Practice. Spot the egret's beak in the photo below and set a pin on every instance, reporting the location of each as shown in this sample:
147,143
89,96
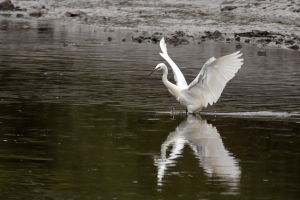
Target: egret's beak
154,71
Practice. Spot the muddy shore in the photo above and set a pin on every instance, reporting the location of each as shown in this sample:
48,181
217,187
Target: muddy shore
274,24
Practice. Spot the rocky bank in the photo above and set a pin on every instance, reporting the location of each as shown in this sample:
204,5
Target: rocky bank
273,23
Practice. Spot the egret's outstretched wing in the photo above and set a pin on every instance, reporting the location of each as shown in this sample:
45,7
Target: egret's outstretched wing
178,76
213,77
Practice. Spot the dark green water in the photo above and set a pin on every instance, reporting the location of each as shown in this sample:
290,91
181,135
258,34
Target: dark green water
83,120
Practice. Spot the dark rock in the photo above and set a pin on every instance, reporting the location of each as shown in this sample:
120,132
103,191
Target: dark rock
109,39
294,47
261,53
180,33
280,40
184,41
261,41
5,14
227,8
75,14
238,39
155,39
199,42
268,40
275,33
35,14
208,34
291,42
255,33
262,33
137,39
238,46
43,7
216,34
228,40
174,41
123,39
247,41
17,8
177,41
19,15
7,5
43,29
297,10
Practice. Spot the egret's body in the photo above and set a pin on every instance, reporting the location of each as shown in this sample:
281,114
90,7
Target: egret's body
207,86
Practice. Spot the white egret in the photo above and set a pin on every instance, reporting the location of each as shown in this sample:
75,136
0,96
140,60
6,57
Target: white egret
207,86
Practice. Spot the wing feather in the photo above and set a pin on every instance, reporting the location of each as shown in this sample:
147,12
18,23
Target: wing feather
178,76
213,77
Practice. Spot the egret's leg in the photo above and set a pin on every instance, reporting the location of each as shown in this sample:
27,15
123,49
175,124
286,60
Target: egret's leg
189,109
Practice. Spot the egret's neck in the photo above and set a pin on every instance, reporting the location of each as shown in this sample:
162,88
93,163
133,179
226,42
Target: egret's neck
173,88
165,76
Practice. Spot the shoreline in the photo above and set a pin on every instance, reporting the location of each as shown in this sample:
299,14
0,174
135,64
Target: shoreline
265,23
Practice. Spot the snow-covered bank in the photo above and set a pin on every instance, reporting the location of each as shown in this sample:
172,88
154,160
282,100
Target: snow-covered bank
280,18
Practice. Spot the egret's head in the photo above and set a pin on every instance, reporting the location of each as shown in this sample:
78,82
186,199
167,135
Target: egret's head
158,67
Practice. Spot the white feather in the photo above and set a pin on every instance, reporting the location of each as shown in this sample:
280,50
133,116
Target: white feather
212,79
178,76
207,86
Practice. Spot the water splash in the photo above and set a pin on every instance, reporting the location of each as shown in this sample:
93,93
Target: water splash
255,114
239,114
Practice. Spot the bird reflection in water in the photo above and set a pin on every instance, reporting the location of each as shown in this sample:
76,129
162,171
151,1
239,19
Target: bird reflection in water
208,147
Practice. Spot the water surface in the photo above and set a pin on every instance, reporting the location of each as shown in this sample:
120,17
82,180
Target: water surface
80,119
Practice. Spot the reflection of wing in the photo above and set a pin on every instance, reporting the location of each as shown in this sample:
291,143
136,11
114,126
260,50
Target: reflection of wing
209,148
207,145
